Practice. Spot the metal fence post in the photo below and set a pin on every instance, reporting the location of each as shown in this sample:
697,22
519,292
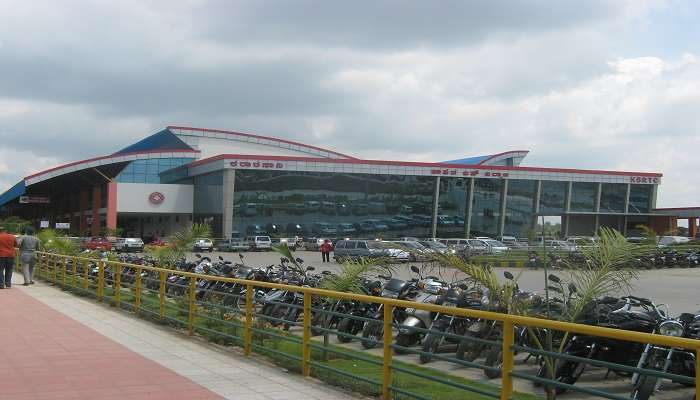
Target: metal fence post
306,348
117,282
74,270
137,301
248,335
100,280
64,268
386,370
85,274
161,295
506,378
190,316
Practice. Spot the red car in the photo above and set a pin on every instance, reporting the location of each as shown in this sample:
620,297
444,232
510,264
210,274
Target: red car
98,243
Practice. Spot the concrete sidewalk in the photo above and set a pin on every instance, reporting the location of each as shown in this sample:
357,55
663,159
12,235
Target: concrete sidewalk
44,317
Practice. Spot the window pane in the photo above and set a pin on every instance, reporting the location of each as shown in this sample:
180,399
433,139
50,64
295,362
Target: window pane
612,197
486,207
583,196
640,198
520,206
552,197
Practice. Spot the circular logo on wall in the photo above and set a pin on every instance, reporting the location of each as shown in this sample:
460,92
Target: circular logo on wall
156,198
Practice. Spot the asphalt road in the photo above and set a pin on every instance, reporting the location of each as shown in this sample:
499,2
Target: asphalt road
678,287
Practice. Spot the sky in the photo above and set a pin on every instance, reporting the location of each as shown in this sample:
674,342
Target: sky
581,84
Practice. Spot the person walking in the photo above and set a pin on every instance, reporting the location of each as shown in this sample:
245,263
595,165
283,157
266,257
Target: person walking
326,249
28,246
7,258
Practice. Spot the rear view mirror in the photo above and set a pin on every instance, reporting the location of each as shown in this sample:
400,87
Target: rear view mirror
508,275
415,269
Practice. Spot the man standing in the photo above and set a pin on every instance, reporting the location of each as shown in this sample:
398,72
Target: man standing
326,248
7,258
28,246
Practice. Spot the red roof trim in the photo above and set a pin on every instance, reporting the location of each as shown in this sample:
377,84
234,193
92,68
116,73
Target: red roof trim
491,157
109,156
263,137
420,164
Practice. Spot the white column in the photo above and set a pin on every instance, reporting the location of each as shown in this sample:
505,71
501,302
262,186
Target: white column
229,180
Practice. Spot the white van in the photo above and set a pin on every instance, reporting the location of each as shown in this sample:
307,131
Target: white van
259,243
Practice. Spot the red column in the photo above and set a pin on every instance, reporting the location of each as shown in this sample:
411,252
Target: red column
96,204
112,205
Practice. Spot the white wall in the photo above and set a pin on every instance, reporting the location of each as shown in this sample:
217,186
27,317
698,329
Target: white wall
134,198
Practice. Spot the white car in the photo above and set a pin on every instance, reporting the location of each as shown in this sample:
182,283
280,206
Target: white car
203,244
128,244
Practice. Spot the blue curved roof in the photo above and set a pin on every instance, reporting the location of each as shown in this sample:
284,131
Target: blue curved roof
163,140
468,161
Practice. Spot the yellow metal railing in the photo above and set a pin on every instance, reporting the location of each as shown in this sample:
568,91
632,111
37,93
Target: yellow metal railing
54,268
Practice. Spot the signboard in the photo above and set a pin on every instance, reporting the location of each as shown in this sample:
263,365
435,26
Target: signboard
43,224
62,225
34,200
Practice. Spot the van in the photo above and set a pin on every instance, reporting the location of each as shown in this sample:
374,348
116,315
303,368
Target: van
259,243
356,249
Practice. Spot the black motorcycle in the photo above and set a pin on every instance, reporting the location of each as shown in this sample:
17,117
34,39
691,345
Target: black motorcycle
671,360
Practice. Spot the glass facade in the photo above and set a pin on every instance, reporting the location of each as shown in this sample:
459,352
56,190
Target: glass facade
486,207
332,205
583,196
612,198
640,199
553,197
208,196
520,207
452,207
147,171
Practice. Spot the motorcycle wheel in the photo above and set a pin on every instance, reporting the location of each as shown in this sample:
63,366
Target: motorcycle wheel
405,341
430,346
469,350
373,331
347,326
646,388
494,359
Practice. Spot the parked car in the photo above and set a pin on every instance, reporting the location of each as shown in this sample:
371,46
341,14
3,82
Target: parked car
346,228
355,249
203,244
437,247
324,228
255,229
129,244
233,244
259,243
98,243
290,242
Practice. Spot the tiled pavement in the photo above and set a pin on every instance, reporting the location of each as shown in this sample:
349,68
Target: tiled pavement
54,345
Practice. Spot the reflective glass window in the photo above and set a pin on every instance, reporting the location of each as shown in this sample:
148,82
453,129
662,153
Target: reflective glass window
333,205
452,207
486,207
612,197
640,198
583,196
520,207
553,197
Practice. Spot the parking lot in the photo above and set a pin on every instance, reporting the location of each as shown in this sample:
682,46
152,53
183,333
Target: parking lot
677,287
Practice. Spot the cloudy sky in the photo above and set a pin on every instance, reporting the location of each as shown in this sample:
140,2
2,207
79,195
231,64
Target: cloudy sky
583,84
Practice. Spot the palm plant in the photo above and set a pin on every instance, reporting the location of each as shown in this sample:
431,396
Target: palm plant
178,244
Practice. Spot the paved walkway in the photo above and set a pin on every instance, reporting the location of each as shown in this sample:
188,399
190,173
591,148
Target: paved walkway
54,345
